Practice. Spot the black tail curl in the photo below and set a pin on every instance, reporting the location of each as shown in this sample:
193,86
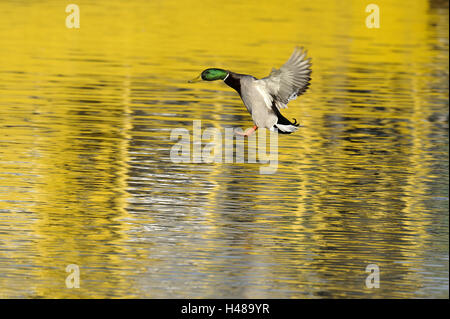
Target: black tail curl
282,120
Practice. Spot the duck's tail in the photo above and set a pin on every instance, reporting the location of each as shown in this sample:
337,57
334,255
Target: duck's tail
287,129
283,125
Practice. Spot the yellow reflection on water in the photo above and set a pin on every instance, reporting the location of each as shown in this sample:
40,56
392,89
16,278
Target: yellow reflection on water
85,174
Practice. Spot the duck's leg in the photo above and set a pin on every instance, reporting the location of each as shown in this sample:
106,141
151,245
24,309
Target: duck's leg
249,132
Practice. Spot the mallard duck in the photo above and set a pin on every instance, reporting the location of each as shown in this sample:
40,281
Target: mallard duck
265,97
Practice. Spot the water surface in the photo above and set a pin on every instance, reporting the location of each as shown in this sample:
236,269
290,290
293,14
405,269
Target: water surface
86,176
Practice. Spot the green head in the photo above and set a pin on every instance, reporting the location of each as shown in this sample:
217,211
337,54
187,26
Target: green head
211,74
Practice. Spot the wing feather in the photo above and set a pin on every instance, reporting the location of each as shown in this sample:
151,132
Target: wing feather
291,80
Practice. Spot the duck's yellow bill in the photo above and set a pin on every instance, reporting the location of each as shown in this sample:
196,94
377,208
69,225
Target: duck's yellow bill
197,79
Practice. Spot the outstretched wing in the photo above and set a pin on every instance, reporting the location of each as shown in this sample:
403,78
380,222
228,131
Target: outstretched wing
290,81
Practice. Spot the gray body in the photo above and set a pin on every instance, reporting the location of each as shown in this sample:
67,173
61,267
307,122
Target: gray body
255,103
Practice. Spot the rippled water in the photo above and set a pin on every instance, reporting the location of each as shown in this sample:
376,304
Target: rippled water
86,176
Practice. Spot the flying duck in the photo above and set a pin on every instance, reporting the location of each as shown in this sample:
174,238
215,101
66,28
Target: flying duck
265,97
